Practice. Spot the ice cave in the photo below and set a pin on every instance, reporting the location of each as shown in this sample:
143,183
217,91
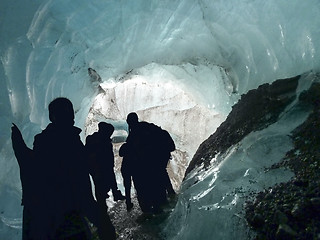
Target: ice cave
181,64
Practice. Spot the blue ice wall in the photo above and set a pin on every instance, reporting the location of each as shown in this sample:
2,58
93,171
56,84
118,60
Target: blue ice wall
46,48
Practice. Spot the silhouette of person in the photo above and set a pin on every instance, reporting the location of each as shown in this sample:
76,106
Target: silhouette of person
64,176
128,160
100,151
30,194
151,147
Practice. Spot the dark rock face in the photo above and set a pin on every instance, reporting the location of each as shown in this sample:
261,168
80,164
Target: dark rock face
254,111
288,210
299,199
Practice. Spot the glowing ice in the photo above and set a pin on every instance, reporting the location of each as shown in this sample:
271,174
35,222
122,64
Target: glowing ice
213,50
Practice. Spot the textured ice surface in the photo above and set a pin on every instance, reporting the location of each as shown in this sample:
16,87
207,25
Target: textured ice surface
217,194
212,50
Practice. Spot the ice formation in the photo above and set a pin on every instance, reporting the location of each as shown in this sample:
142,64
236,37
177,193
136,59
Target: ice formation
181,64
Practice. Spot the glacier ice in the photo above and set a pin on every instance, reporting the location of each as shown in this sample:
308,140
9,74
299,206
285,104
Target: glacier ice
212,50
218,192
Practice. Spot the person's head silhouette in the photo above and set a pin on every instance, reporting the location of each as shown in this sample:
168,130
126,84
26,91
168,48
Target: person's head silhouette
61,112
106,128
132,119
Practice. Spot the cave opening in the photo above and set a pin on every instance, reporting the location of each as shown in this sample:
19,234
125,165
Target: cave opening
157,99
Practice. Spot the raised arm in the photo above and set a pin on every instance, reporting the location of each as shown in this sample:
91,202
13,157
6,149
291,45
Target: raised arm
21,151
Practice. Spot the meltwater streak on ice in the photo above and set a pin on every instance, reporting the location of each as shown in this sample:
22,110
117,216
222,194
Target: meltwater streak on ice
12,222
211,201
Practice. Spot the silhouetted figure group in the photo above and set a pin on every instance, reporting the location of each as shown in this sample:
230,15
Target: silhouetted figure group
57,194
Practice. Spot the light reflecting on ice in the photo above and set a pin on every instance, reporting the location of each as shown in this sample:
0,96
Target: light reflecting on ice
215,49
12,222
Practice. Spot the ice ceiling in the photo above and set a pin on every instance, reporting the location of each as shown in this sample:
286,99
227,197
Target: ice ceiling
181,64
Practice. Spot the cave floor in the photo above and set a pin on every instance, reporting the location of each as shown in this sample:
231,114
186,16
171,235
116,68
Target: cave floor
135,225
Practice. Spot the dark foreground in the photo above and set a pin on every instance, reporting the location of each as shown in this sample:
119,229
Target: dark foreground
135,225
